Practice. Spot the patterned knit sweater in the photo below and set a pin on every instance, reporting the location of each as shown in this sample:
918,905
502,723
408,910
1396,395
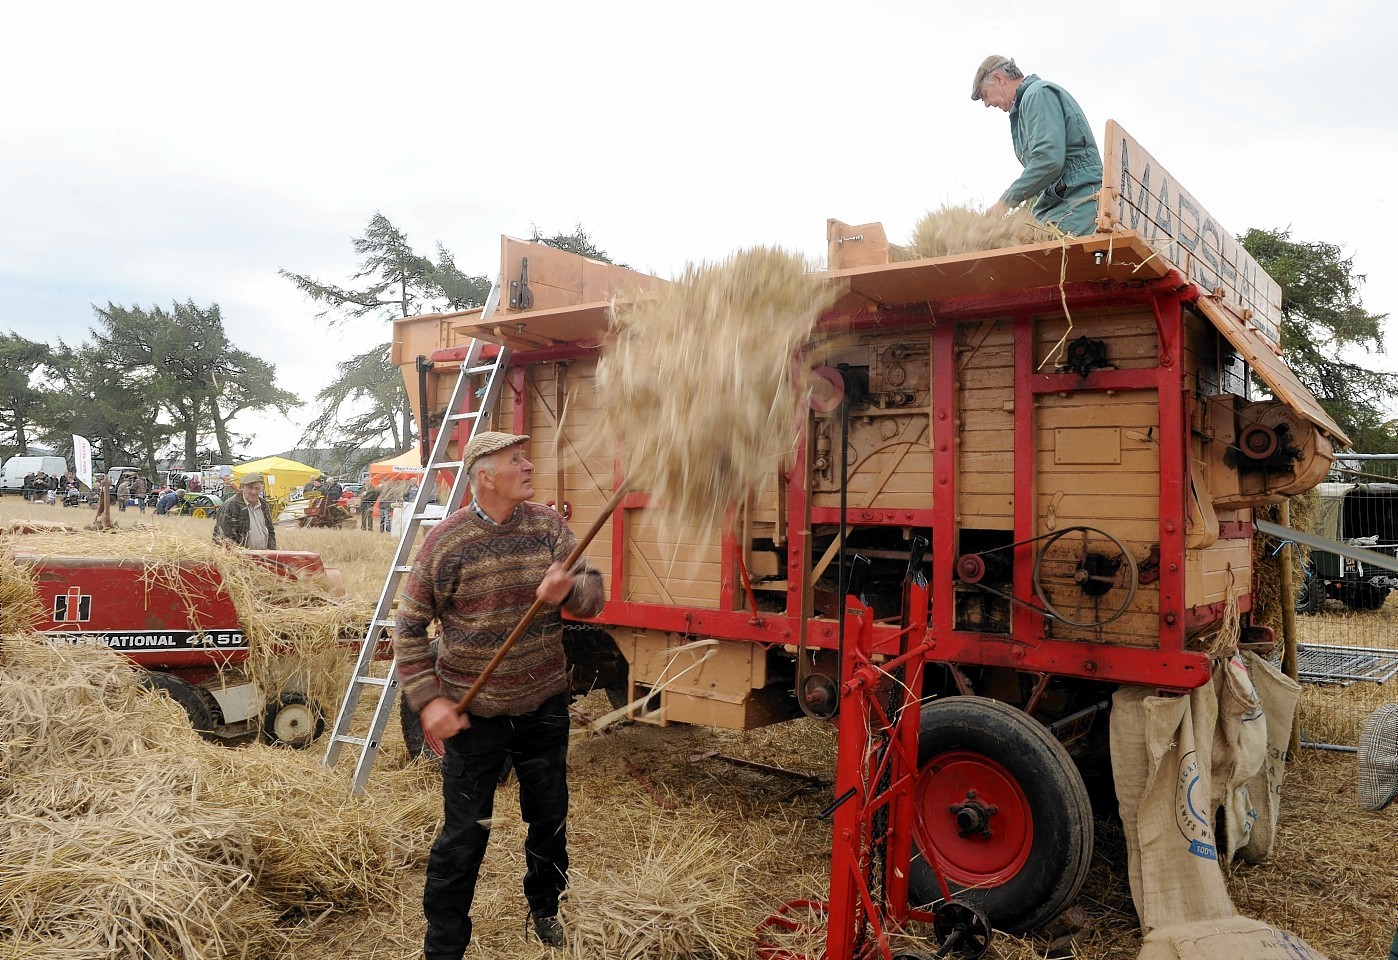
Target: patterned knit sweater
478,578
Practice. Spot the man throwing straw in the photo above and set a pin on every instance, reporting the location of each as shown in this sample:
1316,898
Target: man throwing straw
477,574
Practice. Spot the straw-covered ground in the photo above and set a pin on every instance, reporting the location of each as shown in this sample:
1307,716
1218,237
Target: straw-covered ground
126,835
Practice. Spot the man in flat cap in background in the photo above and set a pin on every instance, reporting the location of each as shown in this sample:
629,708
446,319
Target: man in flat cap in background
477,573
1053,141
245,518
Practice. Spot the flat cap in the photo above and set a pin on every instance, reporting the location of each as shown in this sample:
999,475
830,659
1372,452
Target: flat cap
1378,758
988,66
491,441
253,477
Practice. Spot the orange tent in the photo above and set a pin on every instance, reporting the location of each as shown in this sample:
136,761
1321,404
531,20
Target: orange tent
405,466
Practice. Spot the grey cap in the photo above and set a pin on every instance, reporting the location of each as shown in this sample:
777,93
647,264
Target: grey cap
1378,758
988,66
484,444
248,478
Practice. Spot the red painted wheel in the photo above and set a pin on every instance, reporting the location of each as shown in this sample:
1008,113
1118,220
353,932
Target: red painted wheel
1002,811
991,827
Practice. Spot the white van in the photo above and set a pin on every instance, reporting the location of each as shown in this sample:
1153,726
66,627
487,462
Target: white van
17,468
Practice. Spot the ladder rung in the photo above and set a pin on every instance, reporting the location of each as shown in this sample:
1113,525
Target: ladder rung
433,521
383,623
376,681
445,464
357,741
483,368
405,568
469,415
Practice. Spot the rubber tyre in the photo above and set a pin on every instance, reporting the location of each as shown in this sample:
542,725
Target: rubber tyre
204,713
1363,596
1042,830
420,743
292,720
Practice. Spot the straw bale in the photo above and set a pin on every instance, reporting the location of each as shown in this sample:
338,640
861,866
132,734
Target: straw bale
952,229
699,381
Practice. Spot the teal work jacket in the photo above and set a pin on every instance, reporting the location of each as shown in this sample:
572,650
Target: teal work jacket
1062,167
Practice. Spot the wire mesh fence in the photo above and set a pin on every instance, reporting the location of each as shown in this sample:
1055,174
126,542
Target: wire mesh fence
1348,666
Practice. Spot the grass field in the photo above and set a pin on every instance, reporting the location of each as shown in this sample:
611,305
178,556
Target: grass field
642,793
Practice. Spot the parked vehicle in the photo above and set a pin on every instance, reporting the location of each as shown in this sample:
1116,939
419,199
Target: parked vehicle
1362,514
17,468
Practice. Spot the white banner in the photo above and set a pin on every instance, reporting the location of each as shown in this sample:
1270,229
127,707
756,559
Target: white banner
82,459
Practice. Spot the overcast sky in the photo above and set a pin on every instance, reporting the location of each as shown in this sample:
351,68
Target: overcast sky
157,152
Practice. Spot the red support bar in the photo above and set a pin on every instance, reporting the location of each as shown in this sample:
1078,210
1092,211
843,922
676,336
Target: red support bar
944,466
1080,295
1171,400
879,516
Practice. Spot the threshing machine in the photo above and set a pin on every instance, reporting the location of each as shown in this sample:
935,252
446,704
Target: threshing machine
1072,429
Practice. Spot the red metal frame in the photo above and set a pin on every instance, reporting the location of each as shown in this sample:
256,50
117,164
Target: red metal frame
1027,648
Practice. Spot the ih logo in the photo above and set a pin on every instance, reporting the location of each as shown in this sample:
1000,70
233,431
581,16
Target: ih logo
72,607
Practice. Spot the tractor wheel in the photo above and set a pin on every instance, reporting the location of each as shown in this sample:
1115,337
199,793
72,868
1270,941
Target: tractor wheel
199,513
292,720
199,704
1003,812
420,743
1363,596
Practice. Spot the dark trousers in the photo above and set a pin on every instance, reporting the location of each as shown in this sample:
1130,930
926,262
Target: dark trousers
537,744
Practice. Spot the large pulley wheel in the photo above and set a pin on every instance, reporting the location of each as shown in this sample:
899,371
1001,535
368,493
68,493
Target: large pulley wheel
292,720
1085,577
1001,811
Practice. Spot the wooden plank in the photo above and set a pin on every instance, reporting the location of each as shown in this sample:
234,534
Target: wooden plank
1007,268
1140,195
975,505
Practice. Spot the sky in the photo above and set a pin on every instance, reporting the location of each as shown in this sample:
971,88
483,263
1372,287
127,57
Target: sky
154,152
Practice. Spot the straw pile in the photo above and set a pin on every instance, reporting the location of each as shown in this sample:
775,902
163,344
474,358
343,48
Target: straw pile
699,380
18,606
950,230
125,835
293,625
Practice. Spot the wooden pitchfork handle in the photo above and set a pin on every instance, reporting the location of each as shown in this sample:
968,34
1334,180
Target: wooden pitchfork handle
464,703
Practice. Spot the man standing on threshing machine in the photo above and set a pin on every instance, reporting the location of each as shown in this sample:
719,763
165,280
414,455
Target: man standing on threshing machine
245,518
1052,139
478,573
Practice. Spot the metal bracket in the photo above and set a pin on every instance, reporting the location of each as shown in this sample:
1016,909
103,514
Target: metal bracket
521,297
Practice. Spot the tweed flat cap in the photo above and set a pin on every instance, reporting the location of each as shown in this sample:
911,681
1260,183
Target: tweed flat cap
1378,758
484,444
253,477
988,66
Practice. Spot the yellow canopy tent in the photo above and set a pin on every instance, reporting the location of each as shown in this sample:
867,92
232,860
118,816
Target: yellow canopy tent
279,473
405,466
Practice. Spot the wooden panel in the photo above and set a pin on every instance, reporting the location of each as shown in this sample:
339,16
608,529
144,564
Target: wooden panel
1129,336
1008,268
854,246
1140,195
1207,577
